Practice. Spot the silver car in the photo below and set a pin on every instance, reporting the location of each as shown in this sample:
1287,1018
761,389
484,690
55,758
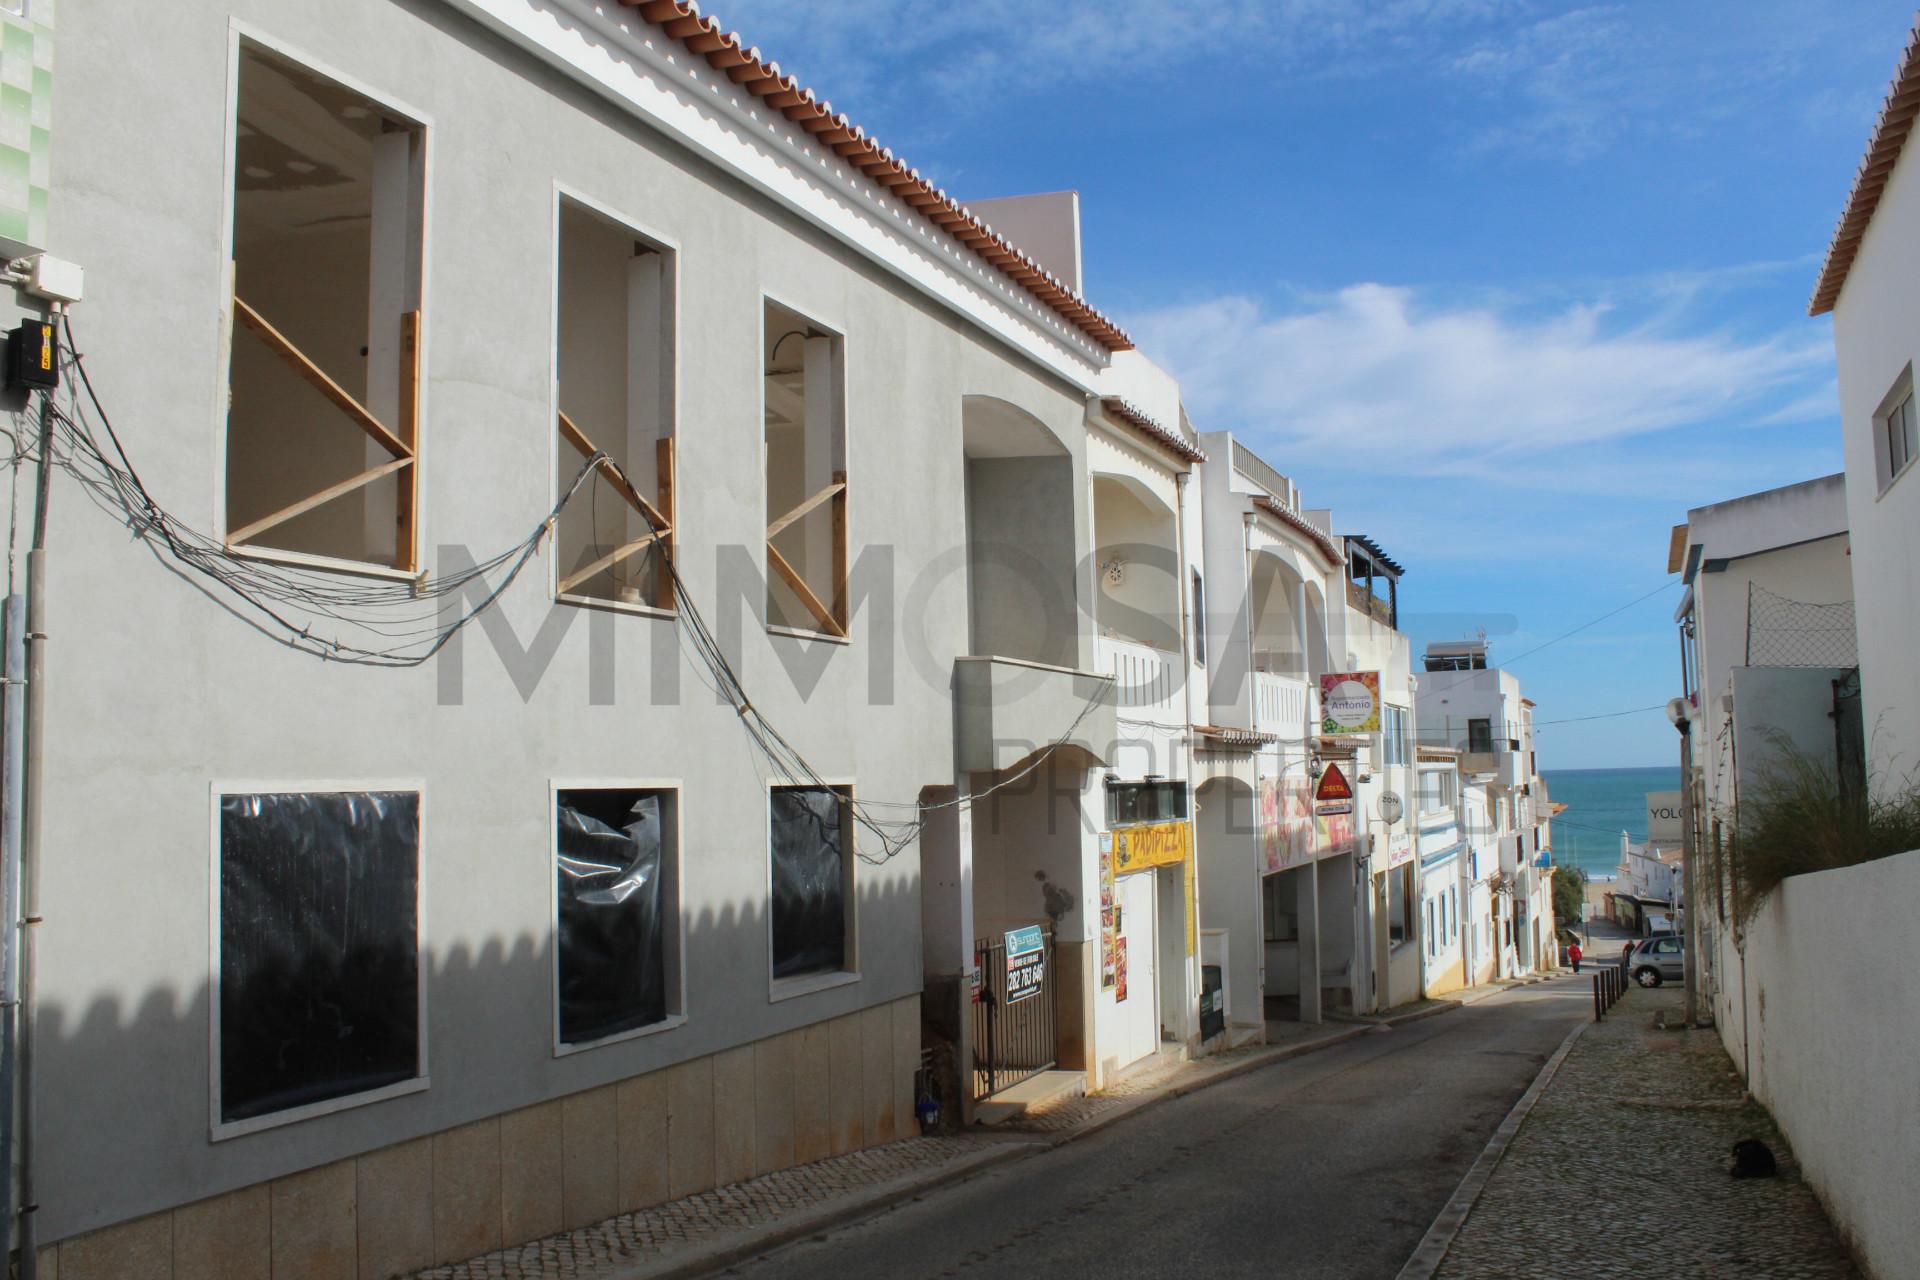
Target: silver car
1656,960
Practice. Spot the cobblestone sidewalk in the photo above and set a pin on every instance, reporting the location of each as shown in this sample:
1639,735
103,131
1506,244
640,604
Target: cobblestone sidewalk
619,1246
1620,1170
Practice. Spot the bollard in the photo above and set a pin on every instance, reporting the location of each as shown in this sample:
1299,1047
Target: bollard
1598,1009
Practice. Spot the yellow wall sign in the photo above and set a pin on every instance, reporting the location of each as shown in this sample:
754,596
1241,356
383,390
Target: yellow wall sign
1163,844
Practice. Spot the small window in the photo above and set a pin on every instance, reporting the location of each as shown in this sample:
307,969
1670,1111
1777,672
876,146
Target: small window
1131,803
618,911
1199,621
613,389
1480,735
324,398
806,454
1899,442
812,877
319,948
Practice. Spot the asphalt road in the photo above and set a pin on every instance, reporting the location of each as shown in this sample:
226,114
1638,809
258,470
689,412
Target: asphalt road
1331,1164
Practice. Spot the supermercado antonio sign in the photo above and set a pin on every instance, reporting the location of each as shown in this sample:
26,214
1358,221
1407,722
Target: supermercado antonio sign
1350,702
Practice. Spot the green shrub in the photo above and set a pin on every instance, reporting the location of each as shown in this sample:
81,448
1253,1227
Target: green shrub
1798,820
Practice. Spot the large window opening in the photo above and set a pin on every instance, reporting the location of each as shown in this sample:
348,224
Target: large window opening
618,911
1130,803
323,416
812,880
319,948
614,389
806,450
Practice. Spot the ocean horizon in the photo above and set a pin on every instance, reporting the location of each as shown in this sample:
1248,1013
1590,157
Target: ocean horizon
1601,803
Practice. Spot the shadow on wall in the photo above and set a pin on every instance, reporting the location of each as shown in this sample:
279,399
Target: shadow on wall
508,1141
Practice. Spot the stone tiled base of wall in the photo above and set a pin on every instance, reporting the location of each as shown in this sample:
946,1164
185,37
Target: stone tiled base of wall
819,1091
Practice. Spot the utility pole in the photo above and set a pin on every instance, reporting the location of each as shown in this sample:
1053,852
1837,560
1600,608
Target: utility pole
1677,712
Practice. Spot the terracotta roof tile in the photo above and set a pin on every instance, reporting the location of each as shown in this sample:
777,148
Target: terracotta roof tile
1294,520
1166,437
1883,150
743,64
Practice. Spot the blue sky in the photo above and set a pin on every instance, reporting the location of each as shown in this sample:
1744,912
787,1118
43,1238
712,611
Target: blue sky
1509,285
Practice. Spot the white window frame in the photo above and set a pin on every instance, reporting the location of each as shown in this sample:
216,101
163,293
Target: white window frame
676,990
1899,401
662,243
779,989
220,1130
237,32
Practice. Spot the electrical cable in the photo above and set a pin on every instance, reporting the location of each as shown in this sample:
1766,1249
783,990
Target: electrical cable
273,592
1605,715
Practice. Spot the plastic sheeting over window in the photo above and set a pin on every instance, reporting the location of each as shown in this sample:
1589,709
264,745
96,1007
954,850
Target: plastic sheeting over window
319,947
809,881
612,912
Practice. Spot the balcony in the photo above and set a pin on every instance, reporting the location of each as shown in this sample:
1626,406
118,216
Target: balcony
1375,607
1281,705
1006,709
1147,681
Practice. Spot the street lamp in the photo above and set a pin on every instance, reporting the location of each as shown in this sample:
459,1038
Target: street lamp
1680,712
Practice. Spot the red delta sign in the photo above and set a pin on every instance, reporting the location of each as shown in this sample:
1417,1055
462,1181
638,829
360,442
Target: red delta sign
1334,794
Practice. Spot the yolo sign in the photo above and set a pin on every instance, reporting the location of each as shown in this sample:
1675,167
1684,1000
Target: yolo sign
1350,702
1026,963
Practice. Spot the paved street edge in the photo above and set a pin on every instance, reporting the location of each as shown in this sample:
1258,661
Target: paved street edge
1432,1249
706,1260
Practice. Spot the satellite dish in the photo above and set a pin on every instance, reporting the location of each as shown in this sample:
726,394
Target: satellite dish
1391,810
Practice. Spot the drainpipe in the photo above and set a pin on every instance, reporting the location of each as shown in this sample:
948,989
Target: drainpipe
11,707
32,807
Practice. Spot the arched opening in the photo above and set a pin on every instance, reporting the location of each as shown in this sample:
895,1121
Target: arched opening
1021,596
1226,842
1279,609
1136,548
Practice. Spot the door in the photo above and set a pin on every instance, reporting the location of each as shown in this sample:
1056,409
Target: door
1140,1011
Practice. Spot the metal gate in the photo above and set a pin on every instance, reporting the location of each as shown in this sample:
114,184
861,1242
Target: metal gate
1850,739
1011,1042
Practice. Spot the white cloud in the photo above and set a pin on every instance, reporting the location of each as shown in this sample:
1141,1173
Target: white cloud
1372,373
855,50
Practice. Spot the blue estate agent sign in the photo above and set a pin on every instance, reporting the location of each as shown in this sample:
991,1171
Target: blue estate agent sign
1026,963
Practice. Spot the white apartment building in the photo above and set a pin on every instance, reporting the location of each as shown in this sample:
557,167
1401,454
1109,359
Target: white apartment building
1471,706
1296,892
776,489
1865,282
1768,654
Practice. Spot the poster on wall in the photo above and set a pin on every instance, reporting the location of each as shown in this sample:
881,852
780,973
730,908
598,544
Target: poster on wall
1120,968
1109,931
1291,833
1350,702
1286,824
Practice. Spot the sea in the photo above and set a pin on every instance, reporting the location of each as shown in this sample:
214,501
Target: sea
1601,803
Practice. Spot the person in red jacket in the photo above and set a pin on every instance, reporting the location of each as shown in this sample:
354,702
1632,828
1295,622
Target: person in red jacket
1573,954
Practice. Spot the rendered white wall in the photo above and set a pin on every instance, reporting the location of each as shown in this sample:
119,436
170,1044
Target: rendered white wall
1836,1046
1876,338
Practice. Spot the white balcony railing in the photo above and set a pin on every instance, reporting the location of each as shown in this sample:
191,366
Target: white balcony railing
1146,681
1280,705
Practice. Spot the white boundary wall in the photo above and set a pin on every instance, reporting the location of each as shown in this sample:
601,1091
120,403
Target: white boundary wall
1834,1014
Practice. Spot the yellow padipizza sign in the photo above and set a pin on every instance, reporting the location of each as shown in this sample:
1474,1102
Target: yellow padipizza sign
1163,844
